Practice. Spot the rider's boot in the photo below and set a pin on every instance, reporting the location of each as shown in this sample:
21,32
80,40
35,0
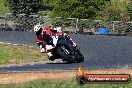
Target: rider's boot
50,56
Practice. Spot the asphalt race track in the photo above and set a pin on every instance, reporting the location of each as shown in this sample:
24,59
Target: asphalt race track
100,52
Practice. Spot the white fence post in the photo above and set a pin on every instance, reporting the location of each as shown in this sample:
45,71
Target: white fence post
113,25
76,25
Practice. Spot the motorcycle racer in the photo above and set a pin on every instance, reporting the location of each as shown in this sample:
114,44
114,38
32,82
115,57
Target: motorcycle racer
44,36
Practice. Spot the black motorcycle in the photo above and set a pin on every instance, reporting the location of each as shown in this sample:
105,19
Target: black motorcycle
65,51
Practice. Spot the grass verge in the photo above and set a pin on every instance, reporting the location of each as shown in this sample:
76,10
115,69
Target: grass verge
66,79
69,83
10,54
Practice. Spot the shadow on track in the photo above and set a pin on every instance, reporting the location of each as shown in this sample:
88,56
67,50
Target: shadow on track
59,63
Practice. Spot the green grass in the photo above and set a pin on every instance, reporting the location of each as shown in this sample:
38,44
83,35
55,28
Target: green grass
10,54
63,84
3,8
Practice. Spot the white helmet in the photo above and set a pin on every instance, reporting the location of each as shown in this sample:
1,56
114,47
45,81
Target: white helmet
37,28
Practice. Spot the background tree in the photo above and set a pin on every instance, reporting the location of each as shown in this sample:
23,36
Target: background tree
24,6
77,8
47,5
129,9
115,11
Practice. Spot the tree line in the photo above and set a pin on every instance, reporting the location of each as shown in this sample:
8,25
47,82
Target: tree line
82,9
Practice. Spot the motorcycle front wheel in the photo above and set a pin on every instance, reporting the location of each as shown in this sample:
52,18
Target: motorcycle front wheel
66,54
79,56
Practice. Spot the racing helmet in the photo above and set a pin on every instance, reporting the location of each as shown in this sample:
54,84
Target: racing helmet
38,29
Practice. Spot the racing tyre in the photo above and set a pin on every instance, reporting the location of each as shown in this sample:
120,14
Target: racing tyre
79,57
65,53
